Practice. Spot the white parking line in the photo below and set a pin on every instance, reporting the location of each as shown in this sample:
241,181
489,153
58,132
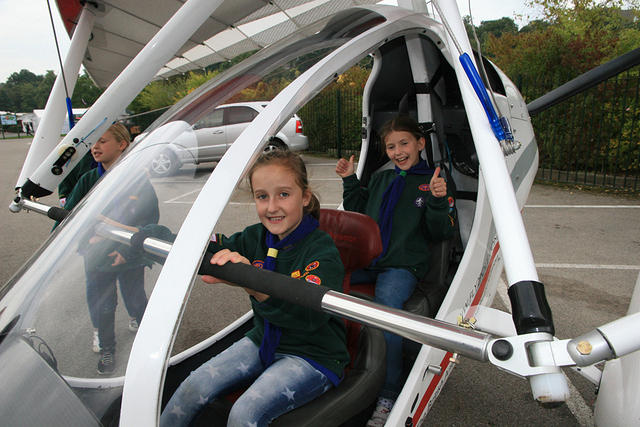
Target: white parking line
181,196
175,201
585,206
193,181
589,266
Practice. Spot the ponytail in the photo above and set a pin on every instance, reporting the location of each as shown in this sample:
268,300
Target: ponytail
313,208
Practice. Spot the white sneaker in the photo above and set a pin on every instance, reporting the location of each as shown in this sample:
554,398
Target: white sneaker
381,413
96,342
133,325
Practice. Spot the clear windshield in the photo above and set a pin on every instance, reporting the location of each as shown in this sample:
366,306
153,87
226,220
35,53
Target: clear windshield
87,274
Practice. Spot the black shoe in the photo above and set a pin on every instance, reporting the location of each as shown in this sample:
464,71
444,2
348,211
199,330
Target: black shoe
107,363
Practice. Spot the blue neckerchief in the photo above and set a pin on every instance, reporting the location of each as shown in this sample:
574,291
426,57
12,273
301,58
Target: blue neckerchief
101,169
306,226
390,199
272,333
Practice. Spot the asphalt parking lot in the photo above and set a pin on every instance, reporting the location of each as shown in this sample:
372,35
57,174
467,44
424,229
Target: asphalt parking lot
586,246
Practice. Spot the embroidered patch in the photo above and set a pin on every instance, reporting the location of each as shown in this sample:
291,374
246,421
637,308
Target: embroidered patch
296,274
313,279
451,201
419,202
423,187
312,266
258,263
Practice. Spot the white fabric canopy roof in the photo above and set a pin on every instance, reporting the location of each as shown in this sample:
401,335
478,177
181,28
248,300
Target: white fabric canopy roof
123,28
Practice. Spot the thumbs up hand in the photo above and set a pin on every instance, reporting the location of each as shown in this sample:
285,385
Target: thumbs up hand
345,168
438,185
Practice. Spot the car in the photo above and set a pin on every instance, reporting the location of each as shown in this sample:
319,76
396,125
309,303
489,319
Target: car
215,133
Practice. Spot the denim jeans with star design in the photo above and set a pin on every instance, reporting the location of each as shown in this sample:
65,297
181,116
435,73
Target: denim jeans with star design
288,383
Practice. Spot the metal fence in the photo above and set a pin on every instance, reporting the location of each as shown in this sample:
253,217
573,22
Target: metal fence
592,138
332,121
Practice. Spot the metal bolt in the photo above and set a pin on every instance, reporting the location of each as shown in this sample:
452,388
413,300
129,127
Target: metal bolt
584,348
435,369
502,350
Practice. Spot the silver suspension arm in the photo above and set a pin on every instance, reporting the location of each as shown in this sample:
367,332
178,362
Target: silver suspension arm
512,354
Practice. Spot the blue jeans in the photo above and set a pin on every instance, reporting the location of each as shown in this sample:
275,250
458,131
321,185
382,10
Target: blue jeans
394,286
102,299
288,383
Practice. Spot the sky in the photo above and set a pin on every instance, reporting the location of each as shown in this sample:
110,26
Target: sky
28,42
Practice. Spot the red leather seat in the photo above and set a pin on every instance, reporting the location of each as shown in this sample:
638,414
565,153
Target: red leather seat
357,238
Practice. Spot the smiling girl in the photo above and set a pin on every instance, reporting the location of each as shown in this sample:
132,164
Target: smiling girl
411,207
292,355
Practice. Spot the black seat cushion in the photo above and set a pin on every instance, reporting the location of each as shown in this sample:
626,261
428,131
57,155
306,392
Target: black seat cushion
355,393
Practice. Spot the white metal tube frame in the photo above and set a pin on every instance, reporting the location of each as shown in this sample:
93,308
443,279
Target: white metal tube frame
121,92
511,354
149,354
518,260
48,132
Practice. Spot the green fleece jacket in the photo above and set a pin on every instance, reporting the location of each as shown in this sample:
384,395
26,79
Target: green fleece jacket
306,333
137,207
418,218
84,165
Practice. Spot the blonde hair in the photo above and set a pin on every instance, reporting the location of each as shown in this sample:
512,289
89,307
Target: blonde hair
119,132
295,164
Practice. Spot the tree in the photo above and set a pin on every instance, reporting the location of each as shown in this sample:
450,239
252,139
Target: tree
44,89
497,28
19,93
23,77
568,40
25,91
86,92
535,25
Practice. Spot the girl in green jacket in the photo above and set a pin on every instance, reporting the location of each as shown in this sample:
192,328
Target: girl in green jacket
412,207
292,355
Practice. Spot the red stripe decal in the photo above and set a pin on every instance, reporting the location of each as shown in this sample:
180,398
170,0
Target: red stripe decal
444,364
432,387
481,289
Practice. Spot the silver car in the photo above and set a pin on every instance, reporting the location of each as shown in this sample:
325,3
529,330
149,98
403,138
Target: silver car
215,133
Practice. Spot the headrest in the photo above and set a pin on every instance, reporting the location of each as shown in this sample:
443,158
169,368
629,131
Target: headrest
356,236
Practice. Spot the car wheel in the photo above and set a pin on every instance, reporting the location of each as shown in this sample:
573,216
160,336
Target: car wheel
164,164
275,144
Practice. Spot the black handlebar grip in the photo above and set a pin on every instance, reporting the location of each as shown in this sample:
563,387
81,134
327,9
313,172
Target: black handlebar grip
57,214
277,285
